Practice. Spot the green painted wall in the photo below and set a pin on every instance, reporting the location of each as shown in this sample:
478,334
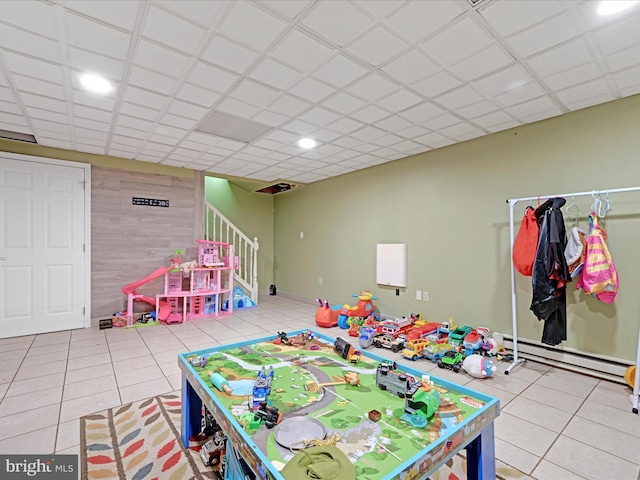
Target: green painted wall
250,212
449,206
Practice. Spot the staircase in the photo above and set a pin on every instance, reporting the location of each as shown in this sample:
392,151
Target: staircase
218,228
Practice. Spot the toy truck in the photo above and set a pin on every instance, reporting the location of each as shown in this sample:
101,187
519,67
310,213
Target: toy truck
398,383
388,341
270,415
451,359
414,349
458,335
435,351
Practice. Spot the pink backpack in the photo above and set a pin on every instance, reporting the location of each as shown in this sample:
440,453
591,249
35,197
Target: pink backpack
526,243
599,276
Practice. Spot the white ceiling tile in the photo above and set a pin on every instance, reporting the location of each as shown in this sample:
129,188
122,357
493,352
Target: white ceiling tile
7,95
136,123
230,144
431,139
368,134
89,62
211,78
97,37
301,51
387,140
372,87
475,110
410,22
585,91
14,120
204,12
289,8
33,68
436,84
185,109
377,46
461,97
28,84
520,94
620,35
139,111
344,103
45,103
170,131
163,139
504,81
143,97
421,113
129,132
320,116
270,118
627,92
339,22
490,120
325,135
160,59
288,105
624,59
514,15
561,58
340,71
366,147
57,135
275,74
413,131
101,127
283,137
572,77
406,146
627,78
457,42
345,125
254,93
411,67
47,115
268,144
37,17
121,14
378,8
171,30
497,128
251,25
276,157
398,101
141,77
87,148
546,35
27,43
47,126
532,107
311,89
229,55
197,95
393,123
442,121
90,133
298,126
12,108
482,63
347,142
370,114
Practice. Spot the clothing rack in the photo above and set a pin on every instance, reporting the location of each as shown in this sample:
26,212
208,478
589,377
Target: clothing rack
512,203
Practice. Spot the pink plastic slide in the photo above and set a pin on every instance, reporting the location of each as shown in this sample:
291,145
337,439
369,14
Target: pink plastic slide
164,309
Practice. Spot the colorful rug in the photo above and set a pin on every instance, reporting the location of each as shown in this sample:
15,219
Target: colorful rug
141,441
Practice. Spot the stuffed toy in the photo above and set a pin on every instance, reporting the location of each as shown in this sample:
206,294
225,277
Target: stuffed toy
478,366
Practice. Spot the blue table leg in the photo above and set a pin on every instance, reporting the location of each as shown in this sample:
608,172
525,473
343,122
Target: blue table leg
191,413
481,456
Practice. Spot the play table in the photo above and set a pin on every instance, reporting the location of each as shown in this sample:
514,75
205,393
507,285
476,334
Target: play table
311,383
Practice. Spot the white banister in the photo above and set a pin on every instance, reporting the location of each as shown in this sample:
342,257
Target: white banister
219,228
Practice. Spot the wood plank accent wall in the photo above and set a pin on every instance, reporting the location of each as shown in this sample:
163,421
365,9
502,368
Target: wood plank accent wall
129,241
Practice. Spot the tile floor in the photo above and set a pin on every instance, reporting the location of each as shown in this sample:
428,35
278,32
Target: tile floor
554,424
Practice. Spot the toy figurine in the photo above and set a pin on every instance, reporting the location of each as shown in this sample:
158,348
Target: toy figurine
478,366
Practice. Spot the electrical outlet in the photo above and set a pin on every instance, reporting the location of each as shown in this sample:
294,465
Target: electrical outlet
319,280
301,234
425,296
418,295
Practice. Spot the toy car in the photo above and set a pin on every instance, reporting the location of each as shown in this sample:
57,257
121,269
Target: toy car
414,348
212,451
388,341
451,359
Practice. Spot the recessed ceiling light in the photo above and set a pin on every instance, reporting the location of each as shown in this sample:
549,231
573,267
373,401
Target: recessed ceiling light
610,7
95,83
306,143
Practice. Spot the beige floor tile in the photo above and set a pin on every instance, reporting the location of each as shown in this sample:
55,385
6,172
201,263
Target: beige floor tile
528,371
166,346
612,394
200,344
68,434
83,333
169,355
525,435
540,414
133,364
88,373
13,362
144,390
8,375
7,344
132,344
515,457
83,362
29,401
37,442
41,370
567,383
170,368
35,419
142,374
590,462
128,354
88,351
509,383
45,358
625,421
175,381
3,389
549,471
56,347
443,373
486,386
602,437
78,407
550,396
93,386
87,342
51,338
36,384
13,355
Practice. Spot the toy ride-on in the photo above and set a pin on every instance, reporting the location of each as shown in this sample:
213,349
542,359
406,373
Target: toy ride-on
363,309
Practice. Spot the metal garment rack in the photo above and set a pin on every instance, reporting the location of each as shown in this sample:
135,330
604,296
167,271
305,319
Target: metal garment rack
512,203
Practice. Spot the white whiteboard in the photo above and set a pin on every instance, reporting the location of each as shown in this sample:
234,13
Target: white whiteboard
391,264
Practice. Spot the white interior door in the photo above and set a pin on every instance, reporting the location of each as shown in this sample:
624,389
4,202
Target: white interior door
43,270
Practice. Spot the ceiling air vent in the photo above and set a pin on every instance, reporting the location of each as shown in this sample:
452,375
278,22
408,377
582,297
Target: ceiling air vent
232,127
278,187
18,136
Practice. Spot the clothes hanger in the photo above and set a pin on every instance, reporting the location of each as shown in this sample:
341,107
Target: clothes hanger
597,202
573,210
605,207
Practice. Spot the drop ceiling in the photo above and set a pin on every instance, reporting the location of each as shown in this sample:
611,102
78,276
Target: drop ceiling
370,81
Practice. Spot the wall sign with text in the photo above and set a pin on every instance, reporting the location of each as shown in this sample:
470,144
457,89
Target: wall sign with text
151,202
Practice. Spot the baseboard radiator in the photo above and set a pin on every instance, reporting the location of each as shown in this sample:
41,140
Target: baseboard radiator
600,366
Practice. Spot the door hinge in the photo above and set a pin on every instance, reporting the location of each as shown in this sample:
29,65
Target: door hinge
84,311
84,248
